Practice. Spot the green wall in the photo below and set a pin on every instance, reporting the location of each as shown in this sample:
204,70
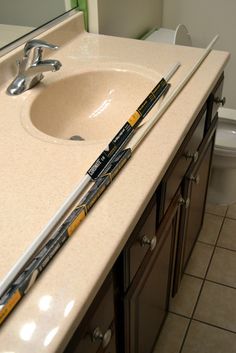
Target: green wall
83,6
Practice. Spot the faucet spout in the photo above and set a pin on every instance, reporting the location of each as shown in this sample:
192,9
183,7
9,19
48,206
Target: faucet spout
44,66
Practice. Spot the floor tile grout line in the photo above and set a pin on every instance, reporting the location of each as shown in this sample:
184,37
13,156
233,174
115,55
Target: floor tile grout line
213,325
200,291
231,218
223,247
191,318
214,249
185,336
218,246
182,315
220,215
210,280
220,284
194,276
202,322
204,242
215,214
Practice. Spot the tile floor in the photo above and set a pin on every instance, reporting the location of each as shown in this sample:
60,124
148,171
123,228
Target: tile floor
202,316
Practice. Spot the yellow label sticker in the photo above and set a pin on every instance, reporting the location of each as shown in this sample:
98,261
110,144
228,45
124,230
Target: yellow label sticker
76,222
134,118
7,308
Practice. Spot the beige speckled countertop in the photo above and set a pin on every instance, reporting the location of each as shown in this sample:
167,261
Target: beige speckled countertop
38,173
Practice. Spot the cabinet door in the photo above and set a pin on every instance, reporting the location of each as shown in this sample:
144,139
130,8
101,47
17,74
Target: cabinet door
196,186
147,300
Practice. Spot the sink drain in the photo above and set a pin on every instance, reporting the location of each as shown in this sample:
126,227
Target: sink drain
76,138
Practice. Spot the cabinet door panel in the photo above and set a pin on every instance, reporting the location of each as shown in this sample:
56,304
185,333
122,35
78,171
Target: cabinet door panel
194,190
148,305
147,300
197,183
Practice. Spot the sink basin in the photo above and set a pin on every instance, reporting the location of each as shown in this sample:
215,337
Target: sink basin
89,106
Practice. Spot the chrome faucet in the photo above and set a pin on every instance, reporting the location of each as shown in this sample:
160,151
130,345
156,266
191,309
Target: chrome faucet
31,66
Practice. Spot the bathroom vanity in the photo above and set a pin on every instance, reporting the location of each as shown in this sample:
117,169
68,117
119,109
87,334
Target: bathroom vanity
128,312
109,287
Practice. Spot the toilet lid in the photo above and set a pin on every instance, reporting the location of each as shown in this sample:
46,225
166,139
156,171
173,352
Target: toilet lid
182,37
226,136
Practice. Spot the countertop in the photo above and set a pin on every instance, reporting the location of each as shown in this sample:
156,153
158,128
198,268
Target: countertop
37,174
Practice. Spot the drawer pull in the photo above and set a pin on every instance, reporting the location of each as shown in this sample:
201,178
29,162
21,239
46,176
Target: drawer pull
221,101
195,179
104,338
184,202
193,156
150,242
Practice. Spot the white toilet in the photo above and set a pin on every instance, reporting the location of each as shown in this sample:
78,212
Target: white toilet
222,189
179,36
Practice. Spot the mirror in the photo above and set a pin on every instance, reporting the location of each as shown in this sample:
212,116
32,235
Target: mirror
19,18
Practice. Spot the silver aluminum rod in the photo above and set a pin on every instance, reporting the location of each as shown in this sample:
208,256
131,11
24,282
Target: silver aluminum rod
53,222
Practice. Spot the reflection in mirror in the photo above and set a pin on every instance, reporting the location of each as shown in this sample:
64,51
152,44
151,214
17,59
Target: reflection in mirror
18,18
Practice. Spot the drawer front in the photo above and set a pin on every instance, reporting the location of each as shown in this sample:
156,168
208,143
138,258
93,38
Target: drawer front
139,245
187,154
98,321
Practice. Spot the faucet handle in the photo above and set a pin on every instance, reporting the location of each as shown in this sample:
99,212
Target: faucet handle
39,45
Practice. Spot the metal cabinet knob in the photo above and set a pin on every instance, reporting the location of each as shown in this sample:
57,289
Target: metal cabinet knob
192,155
195,179
184,202
150,242
219,100
104,338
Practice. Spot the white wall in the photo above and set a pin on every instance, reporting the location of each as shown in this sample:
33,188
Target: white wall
204,19
124,18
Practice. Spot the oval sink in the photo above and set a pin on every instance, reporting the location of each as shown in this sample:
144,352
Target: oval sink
89,106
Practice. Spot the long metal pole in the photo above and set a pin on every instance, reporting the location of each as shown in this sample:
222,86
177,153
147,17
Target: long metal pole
121,139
